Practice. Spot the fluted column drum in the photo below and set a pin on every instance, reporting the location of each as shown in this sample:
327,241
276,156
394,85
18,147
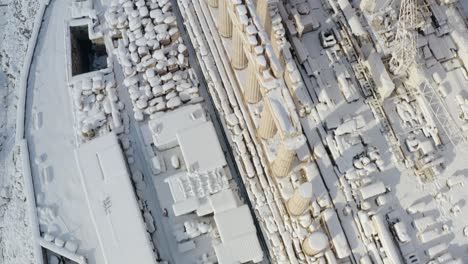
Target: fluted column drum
238,58
316,243
283,161
225,22
301,199
252,93
267,128
286,154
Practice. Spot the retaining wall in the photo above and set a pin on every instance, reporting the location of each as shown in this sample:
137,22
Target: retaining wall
20,138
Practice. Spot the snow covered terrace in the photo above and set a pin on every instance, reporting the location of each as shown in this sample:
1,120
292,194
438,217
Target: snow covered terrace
112,203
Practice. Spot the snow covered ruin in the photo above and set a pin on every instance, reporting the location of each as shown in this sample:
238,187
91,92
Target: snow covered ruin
233,131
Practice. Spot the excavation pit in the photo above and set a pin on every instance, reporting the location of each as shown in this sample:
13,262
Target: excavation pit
86,55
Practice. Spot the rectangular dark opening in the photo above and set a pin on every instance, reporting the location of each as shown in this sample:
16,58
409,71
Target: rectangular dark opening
87,55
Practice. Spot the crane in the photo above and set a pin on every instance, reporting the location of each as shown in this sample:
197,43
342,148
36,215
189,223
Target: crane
405,51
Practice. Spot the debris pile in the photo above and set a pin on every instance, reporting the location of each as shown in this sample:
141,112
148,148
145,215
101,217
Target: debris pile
97,105
153,56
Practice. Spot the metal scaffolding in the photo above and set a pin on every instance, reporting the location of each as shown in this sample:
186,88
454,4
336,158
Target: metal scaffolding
451,130
405,51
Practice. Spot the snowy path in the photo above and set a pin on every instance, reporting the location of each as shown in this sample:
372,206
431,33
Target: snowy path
52,138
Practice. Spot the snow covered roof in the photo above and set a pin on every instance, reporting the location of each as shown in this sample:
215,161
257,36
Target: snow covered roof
204,160
351,17
336,233
381,77
83,8
372,190
278,107
200,148
112,203
165,127
223,201
386,238
239,242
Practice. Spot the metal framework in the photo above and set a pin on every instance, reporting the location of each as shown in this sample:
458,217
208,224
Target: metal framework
443,117
405,51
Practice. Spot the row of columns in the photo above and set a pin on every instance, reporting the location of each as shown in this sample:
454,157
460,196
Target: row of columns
239,60
227,29
252,91
301,200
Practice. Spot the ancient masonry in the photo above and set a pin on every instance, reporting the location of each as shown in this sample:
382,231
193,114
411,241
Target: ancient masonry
257,90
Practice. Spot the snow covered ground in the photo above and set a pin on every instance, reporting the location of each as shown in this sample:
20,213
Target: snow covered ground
16,22
51,142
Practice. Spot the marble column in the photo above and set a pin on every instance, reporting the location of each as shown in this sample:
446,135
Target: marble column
224,19
267,128
238,58
264,14
213,3
283,161
301,199
252,93
315,243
